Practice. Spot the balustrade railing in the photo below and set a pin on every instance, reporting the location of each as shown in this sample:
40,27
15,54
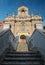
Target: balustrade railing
6,39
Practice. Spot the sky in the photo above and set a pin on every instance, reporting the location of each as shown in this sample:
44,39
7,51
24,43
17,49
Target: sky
9,6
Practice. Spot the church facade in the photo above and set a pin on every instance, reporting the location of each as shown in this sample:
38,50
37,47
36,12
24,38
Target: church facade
23,23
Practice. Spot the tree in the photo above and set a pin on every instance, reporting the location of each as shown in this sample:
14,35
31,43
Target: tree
43,27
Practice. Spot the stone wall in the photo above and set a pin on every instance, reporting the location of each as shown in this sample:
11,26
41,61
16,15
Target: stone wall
6,39
37,40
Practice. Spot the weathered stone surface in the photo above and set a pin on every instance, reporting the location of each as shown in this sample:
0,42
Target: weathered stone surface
22,47
23,22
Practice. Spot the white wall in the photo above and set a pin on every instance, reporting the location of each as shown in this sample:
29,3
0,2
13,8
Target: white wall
6,26
39,26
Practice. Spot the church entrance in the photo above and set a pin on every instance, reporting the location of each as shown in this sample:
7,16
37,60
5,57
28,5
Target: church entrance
22,45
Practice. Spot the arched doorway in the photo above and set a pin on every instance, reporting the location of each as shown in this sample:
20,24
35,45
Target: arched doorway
22,37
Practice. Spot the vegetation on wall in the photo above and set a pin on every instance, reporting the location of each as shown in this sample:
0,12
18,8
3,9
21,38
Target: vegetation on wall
43,27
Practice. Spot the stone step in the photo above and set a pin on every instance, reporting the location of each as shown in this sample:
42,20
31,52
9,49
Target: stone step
30,52
22,58
26,59
22,47
23,55
21,63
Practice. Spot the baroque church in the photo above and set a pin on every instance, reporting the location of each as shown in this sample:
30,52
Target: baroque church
22,51
23,23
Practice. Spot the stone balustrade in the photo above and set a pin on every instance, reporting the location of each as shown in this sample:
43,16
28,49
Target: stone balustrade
6,39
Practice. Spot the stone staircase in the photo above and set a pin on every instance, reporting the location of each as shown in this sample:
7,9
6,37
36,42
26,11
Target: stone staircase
12,57
22,47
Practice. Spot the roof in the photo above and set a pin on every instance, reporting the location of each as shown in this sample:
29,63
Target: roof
1,23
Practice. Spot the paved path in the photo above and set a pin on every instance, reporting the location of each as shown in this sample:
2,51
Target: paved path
22,47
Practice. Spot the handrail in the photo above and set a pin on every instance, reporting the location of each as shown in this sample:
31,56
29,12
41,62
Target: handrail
4,31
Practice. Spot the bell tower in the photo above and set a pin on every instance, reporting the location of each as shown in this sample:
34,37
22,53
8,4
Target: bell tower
23,11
